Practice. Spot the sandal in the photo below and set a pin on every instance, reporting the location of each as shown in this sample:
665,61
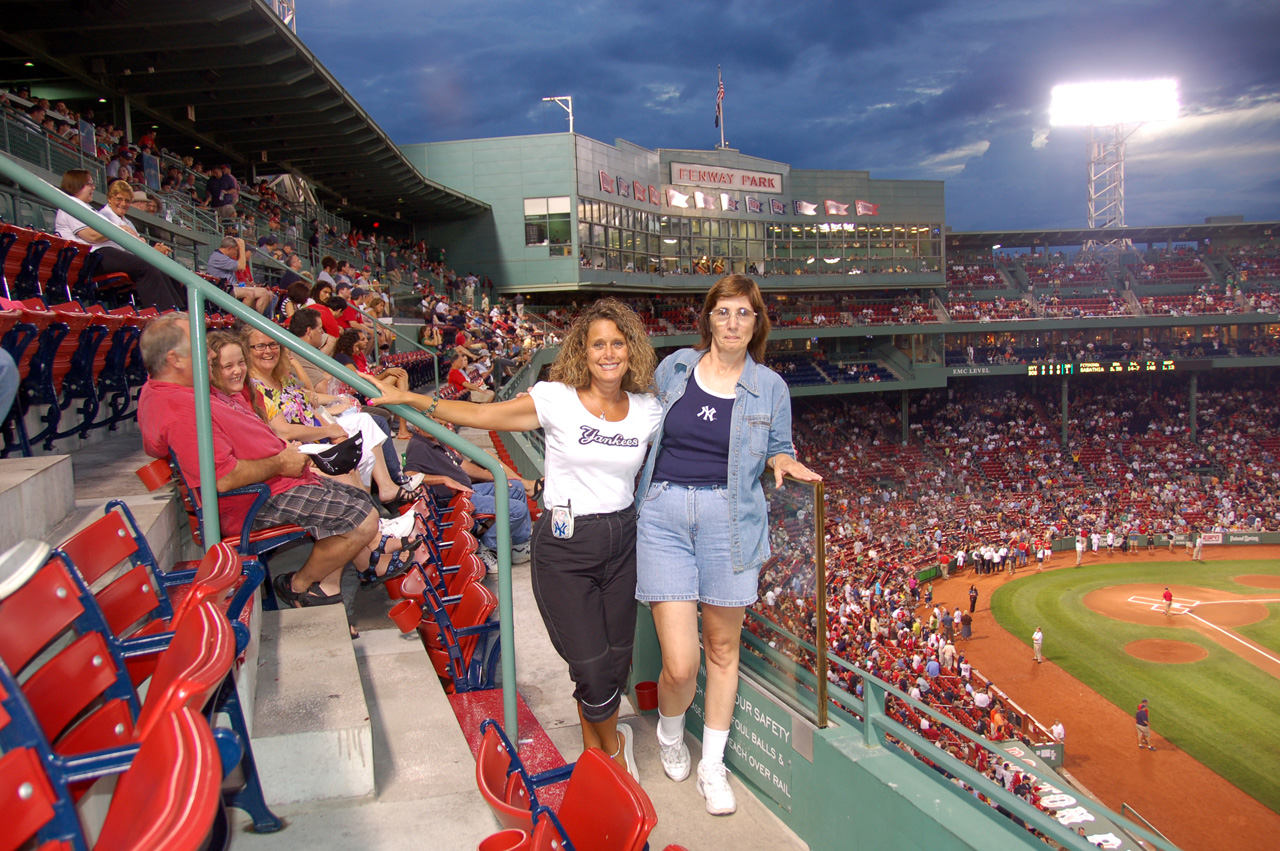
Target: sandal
402,498
313,596
401,560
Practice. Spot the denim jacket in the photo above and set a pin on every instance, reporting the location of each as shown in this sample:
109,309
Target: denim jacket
760,429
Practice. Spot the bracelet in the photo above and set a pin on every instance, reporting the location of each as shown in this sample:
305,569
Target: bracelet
435,400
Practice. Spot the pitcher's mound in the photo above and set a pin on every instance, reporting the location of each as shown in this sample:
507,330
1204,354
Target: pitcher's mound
1163,650
1259,580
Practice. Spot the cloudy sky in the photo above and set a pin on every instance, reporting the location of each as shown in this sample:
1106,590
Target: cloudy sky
912,89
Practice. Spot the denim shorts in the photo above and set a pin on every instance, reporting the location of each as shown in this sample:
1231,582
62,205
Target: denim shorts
682,550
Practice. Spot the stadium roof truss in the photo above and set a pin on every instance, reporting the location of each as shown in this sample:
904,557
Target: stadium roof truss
233,77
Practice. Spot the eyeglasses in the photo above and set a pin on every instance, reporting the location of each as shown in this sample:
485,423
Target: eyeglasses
265,347
721,314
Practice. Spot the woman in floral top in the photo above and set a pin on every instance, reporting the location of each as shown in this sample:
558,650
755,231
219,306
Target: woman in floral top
296,413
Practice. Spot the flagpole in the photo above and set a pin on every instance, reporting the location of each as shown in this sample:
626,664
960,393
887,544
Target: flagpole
720,102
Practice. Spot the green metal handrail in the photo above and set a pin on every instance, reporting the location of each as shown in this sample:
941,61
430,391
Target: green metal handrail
200,291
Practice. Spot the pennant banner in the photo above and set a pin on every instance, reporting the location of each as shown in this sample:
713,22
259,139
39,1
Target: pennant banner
675,199
624,188
804,208
606,182
866,208
638,191
728,203
833,209
754,205
777,207
655,198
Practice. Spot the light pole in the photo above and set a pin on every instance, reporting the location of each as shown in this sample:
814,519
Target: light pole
566,103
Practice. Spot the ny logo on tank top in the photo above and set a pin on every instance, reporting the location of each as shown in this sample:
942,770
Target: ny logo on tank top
707,413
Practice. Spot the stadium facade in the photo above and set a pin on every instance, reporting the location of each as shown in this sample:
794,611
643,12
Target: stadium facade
573,212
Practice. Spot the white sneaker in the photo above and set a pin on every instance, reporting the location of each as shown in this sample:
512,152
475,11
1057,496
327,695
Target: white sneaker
520,553
675,760
398,527
713,784
628,750
490,559
412,483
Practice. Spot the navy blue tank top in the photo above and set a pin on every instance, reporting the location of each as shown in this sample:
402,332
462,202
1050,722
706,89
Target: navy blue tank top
695,439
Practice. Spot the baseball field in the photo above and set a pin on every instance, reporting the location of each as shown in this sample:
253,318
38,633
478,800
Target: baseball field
1210,667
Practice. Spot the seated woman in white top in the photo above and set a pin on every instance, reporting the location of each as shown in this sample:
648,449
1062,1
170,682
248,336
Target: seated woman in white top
154,288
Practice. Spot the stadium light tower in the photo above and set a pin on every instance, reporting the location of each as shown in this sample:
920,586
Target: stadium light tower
1112,111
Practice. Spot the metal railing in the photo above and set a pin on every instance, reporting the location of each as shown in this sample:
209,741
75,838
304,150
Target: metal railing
403,337
200,292
35,146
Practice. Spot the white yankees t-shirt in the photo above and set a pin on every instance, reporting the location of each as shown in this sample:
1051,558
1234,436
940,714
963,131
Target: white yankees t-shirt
589,461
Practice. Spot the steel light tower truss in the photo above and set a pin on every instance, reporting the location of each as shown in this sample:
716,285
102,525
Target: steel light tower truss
1106,182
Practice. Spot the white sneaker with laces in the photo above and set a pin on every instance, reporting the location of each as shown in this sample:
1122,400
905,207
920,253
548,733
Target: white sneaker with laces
520,553
398,527
713,784
675,760
628,750
490,559
412,483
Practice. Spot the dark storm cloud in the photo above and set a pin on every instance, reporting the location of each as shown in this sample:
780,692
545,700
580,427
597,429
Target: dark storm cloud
930,90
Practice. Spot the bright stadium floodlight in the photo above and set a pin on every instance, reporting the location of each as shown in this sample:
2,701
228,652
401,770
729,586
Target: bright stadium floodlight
1106,108
1108,103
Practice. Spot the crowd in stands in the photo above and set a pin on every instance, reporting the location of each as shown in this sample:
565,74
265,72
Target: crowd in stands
1205,300
1078,307
989,311
1057,272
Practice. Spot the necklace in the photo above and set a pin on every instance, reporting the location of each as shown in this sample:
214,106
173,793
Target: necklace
602,407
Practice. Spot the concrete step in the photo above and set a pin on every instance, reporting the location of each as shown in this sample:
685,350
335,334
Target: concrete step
423,774
36,494
311,731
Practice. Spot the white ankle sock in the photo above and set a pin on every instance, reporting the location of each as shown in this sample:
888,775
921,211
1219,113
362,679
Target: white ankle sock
670,729
713,742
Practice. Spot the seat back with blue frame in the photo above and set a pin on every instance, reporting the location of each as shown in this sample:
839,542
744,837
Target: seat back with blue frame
604,809
504,783
466,651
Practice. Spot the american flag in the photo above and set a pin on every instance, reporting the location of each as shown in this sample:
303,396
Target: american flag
719,97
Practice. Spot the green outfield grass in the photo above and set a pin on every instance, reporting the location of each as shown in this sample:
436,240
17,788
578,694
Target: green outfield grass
1267,632
1222,710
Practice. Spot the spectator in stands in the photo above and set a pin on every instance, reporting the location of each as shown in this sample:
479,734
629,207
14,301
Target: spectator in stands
221,193
341,519
710,393
349,351
427,455
293,274
228,264
460,383
296,296
294,413
154,288
598,421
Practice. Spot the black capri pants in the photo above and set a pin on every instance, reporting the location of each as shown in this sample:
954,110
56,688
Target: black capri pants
585,587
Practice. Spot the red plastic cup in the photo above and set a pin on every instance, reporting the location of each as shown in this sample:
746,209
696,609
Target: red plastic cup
512,839
647,696
407,614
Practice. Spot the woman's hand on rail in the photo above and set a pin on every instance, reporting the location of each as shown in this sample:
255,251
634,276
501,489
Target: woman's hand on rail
785,465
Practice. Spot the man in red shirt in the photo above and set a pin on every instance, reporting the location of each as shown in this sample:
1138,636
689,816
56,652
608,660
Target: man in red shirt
1167,596
460,383
340,518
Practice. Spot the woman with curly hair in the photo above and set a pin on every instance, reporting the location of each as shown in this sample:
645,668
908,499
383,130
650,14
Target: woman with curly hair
599,418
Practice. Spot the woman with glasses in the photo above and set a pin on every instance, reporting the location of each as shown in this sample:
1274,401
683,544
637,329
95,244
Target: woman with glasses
295,413
154,288
703,530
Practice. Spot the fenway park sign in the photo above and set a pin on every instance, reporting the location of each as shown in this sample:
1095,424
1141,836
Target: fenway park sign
692,174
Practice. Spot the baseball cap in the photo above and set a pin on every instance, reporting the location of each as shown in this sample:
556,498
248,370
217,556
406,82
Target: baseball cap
358,292
339,458
267,240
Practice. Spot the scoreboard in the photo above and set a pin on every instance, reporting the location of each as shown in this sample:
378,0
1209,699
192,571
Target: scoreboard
1094,367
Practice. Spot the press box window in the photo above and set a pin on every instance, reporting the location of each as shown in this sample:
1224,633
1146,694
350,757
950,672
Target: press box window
547,221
